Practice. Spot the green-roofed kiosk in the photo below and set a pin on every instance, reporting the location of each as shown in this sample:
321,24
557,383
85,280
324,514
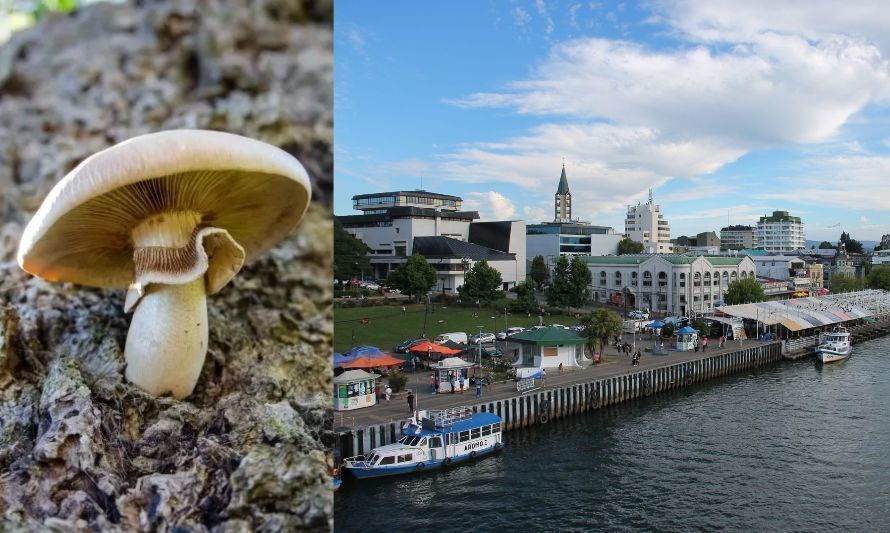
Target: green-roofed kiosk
548,347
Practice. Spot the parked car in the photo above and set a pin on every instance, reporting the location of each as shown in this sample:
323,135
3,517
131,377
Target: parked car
638,315
482,338
406,345
508,332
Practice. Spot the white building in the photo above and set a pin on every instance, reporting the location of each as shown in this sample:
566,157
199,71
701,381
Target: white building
881,257
791,269
673,284
393,223
645,223
738,237
780,233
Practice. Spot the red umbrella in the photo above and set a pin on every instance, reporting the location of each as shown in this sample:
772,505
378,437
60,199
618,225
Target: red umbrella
429,347
372,362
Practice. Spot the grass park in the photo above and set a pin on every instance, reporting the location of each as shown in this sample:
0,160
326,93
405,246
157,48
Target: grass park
385,326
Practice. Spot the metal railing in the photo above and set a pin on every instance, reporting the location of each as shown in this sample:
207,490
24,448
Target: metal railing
452,415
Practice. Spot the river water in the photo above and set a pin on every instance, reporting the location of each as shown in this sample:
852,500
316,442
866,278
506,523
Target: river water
793,447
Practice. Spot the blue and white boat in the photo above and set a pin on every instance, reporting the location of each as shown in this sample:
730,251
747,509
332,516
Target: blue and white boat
440,438
834,345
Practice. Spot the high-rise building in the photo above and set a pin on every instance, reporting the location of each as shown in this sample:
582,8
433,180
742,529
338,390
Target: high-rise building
563,200
738,237
646,224
780,233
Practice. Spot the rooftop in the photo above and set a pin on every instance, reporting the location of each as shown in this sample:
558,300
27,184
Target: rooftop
636,259
448,248
550,336
419,192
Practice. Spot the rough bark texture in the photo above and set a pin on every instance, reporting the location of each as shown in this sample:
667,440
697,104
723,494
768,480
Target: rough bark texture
79,447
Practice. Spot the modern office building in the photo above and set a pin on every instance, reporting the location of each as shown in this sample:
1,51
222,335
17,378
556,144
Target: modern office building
780,233
674,284
393,224
738,237
645,223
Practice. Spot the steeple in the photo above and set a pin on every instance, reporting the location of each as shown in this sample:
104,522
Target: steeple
563,199
563,182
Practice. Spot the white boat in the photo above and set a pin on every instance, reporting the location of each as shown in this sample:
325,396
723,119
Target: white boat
834,345
439,439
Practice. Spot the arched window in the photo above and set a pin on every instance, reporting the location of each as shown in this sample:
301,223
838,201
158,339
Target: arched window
707,279
733,277
647,279
751,274
682,279
744,275
696,280
725,278
662,279
618,278
602,278
633,279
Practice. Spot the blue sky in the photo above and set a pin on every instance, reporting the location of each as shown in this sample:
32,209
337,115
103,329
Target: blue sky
728,110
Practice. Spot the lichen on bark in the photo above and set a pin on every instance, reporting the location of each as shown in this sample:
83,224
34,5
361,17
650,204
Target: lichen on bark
80,448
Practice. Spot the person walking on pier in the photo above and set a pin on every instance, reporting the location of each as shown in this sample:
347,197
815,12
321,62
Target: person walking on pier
478,387
432,383
410,401
387,393
722,341
704,343
460,381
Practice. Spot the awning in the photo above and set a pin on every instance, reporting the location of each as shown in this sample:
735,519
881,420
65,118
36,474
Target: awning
798,314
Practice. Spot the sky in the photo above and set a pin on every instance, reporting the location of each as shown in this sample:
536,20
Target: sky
728,110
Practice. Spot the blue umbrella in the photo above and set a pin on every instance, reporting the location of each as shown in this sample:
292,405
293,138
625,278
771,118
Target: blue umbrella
363,351
686,331
339,358
657,324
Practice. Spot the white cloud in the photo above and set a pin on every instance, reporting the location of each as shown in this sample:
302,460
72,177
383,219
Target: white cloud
816,20
541,6
490,204
534,214
863,219
521,16
573,16
778,89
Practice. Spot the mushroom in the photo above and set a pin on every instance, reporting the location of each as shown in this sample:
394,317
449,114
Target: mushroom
171,217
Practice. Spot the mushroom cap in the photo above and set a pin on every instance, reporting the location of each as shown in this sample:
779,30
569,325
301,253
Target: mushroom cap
82,231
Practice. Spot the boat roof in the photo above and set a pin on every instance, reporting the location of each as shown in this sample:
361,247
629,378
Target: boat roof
477,420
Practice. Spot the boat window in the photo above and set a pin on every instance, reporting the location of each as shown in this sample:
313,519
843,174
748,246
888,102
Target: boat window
373,459
435,442
464,436
410,440
486,430
423,442
496,428
388,460
407,458
474,433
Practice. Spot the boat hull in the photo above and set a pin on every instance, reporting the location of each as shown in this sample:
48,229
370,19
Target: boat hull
366,473
830,356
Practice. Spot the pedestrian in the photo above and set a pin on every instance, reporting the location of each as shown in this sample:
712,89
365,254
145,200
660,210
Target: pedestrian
453,384
432,383
478,388
413,364
560,368
404,310
410,401
461,382
704,343
722,341
695,345
387,393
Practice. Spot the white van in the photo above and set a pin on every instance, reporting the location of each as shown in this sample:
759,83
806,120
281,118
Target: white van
457,336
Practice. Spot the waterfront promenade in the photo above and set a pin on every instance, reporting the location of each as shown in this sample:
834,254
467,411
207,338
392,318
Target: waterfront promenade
615,365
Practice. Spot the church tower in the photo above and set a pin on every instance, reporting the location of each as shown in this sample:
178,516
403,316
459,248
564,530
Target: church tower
563,199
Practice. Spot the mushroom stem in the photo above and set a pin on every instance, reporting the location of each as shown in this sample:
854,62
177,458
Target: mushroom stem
167,340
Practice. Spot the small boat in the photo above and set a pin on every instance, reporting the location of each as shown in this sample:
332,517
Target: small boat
438,439
834,345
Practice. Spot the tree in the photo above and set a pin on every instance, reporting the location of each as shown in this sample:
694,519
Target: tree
701,325
744,291
539,271
879,278
579,283
415,277
525,297
560,287
844,283
825,245
667,331
481,283
350,254
600,326
628,246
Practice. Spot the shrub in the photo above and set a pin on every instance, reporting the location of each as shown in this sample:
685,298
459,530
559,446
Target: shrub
397,381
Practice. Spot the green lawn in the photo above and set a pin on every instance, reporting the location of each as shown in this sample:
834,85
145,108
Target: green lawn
387,325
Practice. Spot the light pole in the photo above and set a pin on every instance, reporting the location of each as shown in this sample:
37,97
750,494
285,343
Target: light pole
479,342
